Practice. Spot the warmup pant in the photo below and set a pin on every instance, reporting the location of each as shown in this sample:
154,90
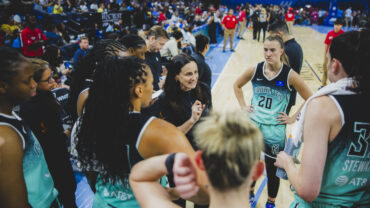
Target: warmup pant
263,26
241,29
325,72
256,27
290,27
229,33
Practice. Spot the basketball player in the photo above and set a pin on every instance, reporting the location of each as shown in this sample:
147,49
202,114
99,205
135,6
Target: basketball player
24,176
114,135
335,167
230,148
272,82
292,49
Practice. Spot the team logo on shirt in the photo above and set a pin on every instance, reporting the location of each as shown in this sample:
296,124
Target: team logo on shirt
341,180
280,83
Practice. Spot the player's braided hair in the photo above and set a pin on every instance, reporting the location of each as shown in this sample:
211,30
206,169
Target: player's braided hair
86,67
9,61
102,134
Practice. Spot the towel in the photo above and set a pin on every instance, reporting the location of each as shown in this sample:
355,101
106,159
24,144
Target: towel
340,87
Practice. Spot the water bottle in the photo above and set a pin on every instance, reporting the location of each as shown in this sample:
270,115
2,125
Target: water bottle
292,150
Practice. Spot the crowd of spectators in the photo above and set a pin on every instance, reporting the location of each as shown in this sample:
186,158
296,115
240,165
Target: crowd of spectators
31,26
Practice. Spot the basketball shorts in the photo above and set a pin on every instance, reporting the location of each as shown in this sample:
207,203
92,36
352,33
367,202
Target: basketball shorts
274,138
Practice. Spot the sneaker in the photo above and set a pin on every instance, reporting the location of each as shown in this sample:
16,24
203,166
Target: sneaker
232,50
252,201
270,204
223,50
242,38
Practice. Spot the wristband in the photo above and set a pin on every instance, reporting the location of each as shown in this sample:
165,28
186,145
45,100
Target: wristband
169,166
169,163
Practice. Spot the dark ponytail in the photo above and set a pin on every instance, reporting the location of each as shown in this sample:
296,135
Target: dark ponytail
352,49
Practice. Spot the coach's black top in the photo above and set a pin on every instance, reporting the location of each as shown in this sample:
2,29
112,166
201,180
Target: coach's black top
180,116
154,62
295,56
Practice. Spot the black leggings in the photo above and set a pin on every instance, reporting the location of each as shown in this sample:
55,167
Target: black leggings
263,26
273,182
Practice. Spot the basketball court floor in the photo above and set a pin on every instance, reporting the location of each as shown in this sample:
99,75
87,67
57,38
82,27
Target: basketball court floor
226,67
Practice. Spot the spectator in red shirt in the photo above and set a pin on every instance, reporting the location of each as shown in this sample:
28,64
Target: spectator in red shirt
198,11
242,21
229,23
33,39
289,19
162,17
338,24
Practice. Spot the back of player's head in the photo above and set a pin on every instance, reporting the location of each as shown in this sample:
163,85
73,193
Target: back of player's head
352,49
133,41
201,41
9,62
231,146
278,26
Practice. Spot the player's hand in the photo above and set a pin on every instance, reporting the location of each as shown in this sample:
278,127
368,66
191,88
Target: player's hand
185,176
284,118
249,108
197,110
282,159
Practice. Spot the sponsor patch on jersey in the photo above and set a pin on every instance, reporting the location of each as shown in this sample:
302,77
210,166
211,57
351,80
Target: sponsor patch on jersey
280,83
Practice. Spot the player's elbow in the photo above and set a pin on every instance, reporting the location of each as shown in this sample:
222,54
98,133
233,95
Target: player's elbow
308,194
237,86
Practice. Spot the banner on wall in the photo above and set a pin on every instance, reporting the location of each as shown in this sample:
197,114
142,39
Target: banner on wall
110,17
333,14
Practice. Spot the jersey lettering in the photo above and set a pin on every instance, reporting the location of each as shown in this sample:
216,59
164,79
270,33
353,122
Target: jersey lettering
359,148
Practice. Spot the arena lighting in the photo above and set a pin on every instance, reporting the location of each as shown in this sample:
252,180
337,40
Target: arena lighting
308,6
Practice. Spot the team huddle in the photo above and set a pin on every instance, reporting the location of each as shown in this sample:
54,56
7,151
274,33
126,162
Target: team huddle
141,151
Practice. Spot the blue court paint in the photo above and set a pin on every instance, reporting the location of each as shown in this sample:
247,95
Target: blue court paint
259,192
216,59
